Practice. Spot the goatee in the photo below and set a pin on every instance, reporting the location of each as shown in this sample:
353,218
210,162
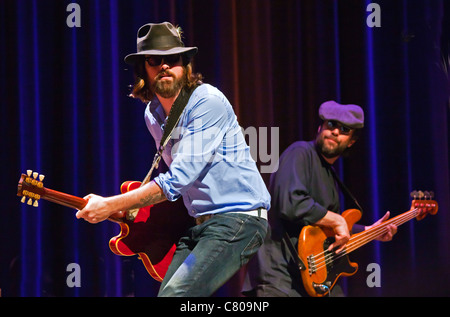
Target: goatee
165,88
327,151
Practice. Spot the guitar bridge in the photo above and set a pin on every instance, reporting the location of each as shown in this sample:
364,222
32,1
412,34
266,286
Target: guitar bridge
312,268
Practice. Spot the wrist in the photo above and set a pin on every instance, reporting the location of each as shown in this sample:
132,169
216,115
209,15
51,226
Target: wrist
331,219
112,205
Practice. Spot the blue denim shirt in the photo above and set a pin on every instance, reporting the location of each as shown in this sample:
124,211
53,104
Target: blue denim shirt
209,160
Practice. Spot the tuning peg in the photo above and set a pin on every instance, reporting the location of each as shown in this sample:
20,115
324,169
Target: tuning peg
35,175
40,184
426,194
29,172
431,195
30,202
23,199
35,204
420,194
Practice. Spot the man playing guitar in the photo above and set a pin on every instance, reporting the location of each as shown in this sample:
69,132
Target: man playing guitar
304,192
210,168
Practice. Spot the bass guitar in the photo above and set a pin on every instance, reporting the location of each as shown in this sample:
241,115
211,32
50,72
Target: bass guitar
151,233
323,267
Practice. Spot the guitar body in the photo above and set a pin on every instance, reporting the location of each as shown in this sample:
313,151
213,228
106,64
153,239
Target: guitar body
320,274
153,234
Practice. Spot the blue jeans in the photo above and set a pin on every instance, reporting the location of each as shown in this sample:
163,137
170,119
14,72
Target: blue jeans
211,253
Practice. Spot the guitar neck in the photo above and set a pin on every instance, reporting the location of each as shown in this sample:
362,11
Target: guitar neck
364,237
64,199
31,188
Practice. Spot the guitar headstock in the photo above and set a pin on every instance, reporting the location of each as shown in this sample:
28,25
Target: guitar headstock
31,186
423,201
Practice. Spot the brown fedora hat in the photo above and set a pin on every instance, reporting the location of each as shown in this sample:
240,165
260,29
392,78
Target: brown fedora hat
159,39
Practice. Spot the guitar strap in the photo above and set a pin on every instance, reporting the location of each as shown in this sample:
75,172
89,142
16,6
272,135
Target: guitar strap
293,252
171,122
345,189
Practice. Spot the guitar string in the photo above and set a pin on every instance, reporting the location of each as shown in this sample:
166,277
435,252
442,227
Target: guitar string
365,239
374,228
362,239
368,236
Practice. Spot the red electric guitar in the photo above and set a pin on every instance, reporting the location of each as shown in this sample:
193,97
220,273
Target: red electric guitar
324,267
151,232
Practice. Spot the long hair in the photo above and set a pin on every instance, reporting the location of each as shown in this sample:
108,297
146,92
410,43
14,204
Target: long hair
142,88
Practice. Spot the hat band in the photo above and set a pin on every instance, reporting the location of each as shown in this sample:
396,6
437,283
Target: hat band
159,43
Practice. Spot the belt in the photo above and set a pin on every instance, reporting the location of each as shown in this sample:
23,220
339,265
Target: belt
260,212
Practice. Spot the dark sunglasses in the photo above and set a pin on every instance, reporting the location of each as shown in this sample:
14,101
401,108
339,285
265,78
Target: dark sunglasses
156,60
335,125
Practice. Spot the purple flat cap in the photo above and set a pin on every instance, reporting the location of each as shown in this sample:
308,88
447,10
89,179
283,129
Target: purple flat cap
351,116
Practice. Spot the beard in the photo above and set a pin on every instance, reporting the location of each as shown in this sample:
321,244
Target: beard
166,88
330,149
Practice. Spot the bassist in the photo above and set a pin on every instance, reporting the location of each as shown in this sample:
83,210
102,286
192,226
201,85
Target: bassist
304,192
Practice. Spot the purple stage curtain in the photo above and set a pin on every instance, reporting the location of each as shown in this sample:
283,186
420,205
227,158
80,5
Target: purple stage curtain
65,113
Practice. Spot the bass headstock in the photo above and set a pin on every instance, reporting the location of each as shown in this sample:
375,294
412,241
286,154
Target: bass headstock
424,203
31,186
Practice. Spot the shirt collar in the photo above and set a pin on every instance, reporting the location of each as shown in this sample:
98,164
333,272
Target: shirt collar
157,110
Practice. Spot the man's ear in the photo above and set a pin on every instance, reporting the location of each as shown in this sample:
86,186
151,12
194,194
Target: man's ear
319,129
351,143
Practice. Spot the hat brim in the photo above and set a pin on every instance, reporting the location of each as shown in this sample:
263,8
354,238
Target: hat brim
189,52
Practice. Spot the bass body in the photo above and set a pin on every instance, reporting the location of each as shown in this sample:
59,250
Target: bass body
321,274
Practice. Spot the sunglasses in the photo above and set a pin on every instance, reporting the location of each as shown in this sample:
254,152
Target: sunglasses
331,124
157,60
